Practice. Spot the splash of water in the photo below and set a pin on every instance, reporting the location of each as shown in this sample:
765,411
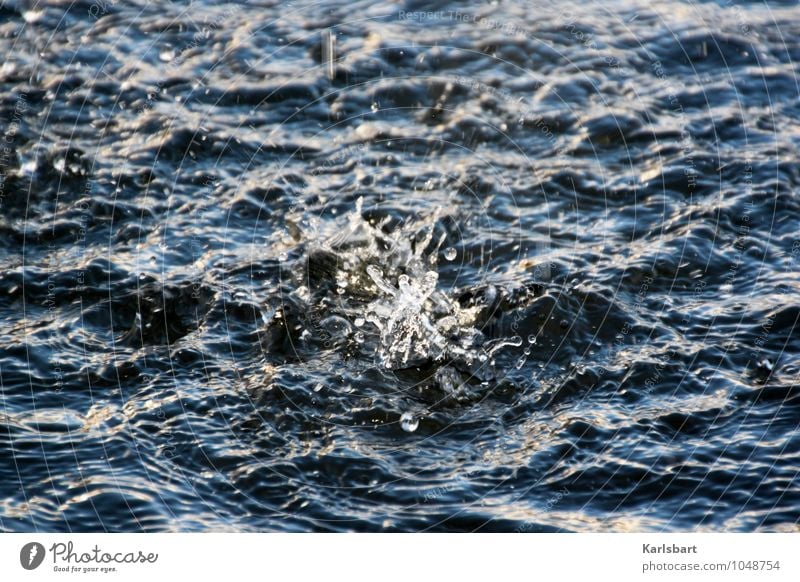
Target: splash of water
413,319
399,314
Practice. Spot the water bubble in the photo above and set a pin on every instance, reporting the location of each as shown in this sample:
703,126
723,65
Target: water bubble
450,254
408,422
532,339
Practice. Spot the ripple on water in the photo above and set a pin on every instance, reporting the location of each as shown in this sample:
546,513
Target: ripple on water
479,281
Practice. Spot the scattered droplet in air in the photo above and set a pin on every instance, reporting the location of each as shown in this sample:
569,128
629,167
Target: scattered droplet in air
31,16
450,254
408,422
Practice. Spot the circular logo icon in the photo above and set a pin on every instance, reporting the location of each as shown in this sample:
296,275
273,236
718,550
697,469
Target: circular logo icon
31,555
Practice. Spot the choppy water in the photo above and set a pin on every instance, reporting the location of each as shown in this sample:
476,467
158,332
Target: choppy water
399,266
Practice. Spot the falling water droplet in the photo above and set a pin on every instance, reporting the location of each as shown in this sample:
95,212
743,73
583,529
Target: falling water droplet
318,387
531,339
31,16
450,254
408,422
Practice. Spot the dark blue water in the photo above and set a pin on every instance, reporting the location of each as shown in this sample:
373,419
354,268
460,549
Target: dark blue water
584,220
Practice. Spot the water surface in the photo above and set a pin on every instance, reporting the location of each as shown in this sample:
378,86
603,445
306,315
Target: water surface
410,266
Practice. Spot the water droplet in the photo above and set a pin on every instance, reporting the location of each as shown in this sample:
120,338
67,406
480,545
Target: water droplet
532,339
450,254
318,387
359,337
375,107
359,321
283,257
408,422
31,16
